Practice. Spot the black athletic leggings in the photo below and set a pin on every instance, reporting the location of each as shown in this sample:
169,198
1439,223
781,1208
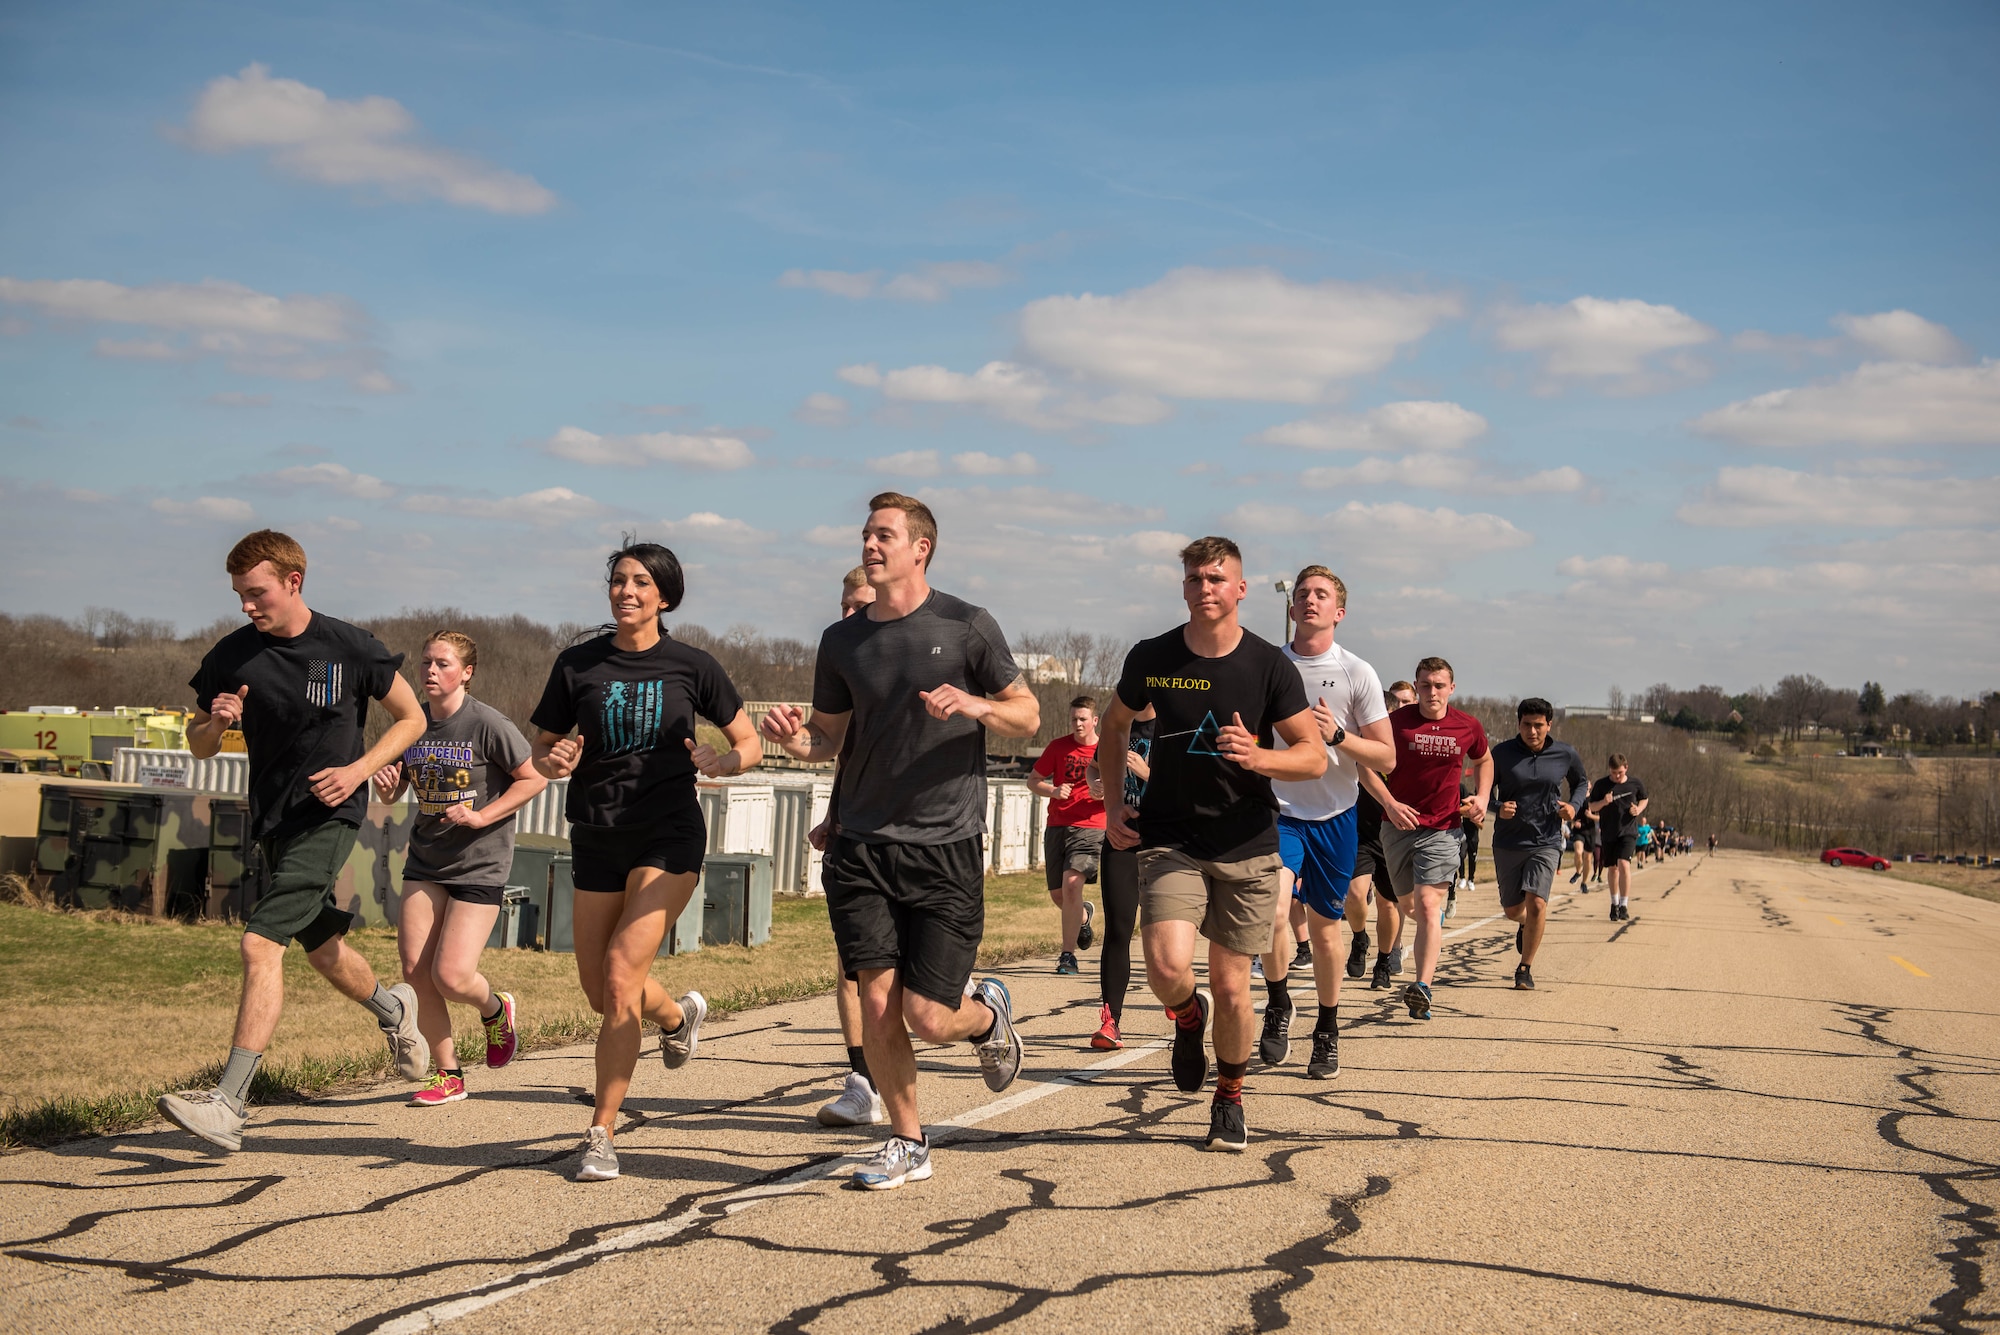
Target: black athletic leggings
1118,879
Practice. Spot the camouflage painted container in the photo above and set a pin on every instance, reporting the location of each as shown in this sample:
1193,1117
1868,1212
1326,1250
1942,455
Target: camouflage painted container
112,846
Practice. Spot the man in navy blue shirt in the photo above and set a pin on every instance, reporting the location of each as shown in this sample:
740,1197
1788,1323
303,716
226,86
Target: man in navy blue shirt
1530,771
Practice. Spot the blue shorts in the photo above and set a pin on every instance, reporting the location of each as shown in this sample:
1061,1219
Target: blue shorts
1320,855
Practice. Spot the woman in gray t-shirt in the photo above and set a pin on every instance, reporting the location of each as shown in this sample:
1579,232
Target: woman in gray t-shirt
469,772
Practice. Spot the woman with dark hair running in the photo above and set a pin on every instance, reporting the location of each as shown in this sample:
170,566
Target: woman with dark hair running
636,829
1119,877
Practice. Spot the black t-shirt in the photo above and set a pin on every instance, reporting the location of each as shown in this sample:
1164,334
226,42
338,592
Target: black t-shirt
307,706
635,712
1616,821
1196,801
910,778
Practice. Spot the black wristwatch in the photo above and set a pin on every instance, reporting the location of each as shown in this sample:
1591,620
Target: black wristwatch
1339,735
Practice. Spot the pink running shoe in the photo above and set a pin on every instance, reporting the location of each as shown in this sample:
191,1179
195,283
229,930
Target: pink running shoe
501,1039
441,1090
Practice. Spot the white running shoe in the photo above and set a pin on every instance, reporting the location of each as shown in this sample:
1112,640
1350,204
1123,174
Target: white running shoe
406,1042
205,1113
600,1161
677,1048
858,1105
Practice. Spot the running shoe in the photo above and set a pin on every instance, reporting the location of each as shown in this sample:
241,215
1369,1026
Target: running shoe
407,1047
1000,1055
1305,953
1107,1038
1523,980
1256,966
600,1161
1450,905
897,1162
1396,961
1086,933
205,1113
1357,955
677,1048
1066,963
1190,1059
1276,1044
441,1090
1379,980
1225,1127
1614,912
1325,1063
1418,998
858,1105
501,1040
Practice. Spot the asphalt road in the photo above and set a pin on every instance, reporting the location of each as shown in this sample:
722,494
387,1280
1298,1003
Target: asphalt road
1767,1102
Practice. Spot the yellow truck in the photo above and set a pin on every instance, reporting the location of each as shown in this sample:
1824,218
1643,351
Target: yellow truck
86,741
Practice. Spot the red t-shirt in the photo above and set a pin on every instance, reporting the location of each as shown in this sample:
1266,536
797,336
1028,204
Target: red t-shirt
1063,762
1430,757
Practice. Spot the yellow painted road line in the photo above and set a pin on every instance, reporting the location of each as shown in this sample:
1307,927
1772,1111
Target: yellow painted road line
1911,967
1835,921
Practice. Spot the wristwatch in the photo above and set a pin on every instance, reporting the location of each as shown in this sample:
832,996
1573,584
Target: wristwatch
1339,735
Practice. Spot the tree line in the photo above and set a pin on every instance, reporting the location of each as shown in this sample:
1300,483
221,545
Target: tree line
1802,705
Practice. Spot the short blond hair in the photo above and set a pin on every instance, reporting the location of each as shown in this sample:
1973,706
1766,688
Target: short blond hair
1321,572
267,544
854,579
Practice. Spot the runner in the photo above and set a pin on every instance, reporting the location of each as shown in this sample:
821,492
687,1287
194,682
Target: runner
1711,843
920,678
1119,880
1074,839
632,695
1207,829
297,682
472,770
1433,744
1618,800
857,1104
1583,846
1317,820
1642,845
1471,823
1370,867
1530,771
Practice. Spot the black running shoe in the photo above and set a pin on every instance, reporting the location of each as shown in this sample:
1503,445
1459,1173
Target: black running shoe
1379,980
1357,956
1614,913
1086,933
1276,1044
1523,980
1305,953
1325,1064
1190,1060
1225,1127
1418,998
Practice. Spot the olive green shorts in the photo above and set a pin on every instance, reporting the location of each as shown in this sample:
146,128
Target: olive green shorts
301,870
1234,904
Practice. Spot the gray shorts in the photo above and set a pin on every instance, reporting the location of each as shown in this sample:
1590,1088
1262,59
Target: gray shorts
1525,871
1071,848
1422,856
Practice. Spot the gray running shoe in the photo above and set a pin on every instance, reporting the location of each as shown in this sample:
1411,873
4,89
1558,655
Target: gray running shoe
677,1048
1000,1055
858,1105
1086,933
1325,1063
205,1113
1396,962
1275,1046
407,1047
897,1162
600,1161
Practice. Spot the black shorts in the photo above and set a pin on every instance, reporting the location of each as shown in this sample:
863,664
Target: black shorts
603,857
1621,850
919,909
1071,848
1369,867
463,894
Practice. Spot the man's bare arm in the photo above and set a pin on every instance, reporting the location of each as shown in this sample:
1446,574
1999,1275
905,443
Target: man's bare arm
813,739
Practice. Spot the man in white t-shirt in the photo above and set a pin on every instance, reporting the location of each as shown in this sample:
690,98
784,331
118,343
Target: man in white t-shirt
1316,818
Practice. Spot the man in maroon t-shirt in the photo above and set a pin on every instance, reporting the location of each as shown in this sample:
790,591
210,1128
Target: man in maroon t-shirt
1420,831
1075,837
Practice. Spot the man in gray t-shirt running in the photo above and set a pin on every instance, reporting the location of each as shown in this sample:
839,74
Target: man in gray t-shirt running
918,680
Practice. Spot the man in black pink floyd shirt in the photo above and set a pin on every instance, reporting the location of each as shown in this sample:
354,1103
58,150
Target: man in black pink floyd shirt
1206,828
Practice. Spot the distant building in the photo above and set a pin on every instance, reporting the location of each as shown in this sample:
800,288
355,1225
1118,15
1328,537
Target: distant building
1044,668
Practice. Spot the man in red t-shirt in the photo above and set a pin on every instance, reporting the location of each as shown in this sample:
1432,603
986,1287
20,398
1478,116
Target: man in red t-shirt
1075,837
1420,831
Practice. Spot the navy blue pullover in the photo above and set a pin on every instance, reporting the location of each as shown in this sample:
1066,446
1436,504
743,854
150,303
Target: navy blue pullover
1533,780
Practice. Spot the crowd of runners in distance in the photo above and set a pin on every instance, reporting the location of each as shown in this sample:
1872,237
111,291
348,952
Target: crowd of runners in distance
1249,795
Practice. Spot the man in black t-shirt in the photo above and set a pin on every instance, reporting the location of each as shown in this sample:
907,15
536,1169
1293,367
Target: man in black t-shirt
918,680
298,683
1618,800
1207,827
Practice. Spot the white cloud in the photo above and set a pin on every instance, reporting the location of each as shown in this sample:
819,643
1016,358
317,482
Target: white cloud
868,376
821,409
1548,481
217,509
1762,496
1883,404
331,477
1903,336
713,451
1389,528
977,463
342,524
910,463
706,524
835,535
931,281
1442,472
551,505
1013,393
1618,569
1231,334
1416,425
296,337
236,398
1034,505
317,138
1629,345
833,282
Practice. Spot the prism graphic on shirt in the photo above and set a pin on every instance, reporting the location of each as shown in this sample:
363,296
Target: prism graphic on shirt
632,714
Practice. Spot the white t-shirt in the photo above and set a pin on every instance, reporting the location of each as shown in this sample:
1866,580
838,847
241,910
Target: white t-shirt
1354,693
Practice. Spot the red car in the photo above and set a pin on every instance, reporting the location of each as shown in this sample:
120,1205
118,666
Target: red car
1852,857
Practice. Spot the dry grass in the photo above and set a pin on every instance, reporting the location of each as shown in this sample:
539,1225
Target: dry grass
1979,882
106,1010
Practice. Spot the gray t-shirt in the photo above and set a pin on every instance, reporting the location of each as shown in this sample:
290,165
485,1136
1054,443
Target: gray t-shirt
464,760
911,778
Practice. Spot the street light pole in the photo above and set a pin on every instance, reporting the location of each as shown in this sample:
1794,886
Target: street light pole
1284,586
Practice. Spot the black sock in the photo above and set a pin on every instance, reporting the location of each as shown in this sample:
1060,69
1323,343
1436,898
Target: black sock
981,1038
497,1008
857,1059
1328,1021
454,1072
1281,997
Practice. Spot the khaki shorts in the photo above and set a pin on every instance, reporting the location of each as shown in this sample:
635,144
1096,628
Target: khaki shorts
1233,904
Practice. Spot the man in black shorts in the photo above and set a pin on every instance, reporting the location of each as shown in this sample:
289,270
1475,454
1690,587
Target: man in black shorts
920,677
1618,800
1370,867
1531,773
298,683
1207,827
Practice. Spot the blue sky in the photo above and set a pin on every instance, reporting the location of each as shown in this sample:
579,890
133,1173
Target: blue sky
1593,346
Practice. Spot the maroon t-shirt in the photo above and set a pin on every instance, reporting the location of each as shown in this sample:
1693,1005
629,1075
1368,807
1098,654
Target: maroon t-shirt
1063,762
1430,756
